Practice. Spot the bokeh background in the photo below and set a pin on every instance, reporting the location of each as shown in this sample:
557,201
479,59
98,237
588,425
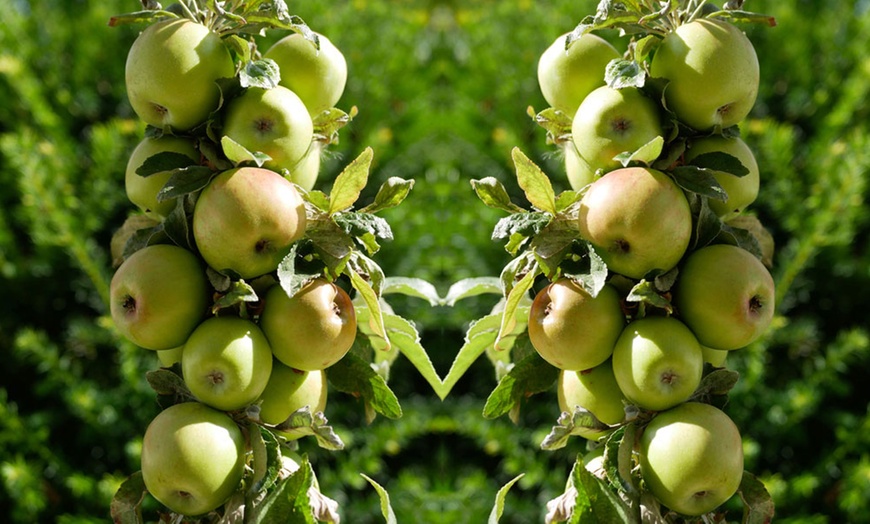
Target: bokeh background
442,89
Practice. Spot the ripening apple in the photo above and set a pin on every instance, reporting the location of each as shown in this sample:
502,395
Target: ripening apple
566,76
304,173
637,219
289,390
715,357
271,121
712,71
226,362
246,220
596,391
741,191
169,357
691,458
578,171
158,296
317,76
657,362
142,191
193,458
725,295
612,121
573,330
313,329
171,72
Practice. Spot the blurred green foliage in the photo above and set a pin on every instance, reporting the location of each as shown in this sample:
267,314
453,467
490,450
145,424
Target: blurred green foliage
442,88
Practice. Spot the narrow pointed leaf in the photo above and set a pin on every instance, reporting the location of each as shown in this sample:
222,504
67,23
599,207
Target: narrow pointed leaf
350,182
498,508
386,508
537,187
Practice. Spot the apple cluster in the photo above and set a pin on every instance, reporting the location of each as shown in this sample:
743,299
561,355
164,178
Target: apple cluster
220,179
656,157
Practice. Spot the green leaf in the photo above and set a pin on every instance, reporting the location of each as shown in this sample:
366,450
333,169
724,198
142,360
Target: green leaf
370,299
716,383
645,154
289,277
617,464
239,293
137,17
391,193
646,292
357,224
239,154
266,461
525,224
185,180
480,336
493,194
596,502
350,182
263,73
644,46
699,180
590,271
498,508
621,73
740,237
722,162
471,287
556,123
530,375
386,509
303,422
404,336
328,122
539,192
707,224
162,162
166,382
518,294
757,502
355,376
412,287
126,503
289,502
571,423
744,17
318,199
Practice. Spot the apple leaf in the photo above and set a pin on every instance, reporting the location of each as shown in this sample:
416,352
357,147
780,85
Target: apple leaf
493,194
643,47
289,275
571,423
350,182
355,376
744,17
645,154
621,73
239,154
523,224
480,336
517,295
266,461
530,375
567,199
707,224
317,199
587,269
471,287
328,122
740,237
169,386
361,225
391,193
290,497
752,225
412,287
240,292
386,508
557,124
758,504
263,73
137,17
539,192
553,244
142,238
404,336
646,292
721,161
126,503
717,383
498,507
185,180
699,180
618,449
164,161
303,422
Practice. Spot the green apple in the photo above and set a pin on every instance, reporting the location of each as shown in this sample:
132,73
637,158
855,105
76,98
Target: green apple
170,357
637,219
715,357
593,461
313,329
226,362
741,191
657,362
193,458
291,389
579,173
142,191
271,121
304,173
712,71
572,330
612,121
158,296
318,77
566,76
246,220
596,391
171,71
691,458
725,295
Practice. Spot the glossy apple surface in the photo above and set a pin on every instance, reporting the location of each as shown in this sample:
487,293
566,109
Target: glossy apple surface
289,390
596,391
142,191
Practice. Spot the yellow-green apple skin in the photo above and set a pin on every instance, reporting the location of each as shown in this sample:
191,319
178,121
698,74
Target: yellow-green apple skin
714,357
171,71
158,296
246,220
193,458
317,76
657,362
712,71
271,121
691,458
169,357
612,121
577,170
566,76
304,173
571,329
725,295
312,330
596,391
741,191
289,390
226,362
637,219
142,191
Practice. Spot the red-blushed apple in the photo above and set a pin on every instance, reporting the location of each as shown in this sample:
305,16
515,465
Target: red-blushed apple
725,295
193,458
741,191
226,362
171,71
317,76
158,296
246,220
572,330
637,219
657,362
691,458
712,71
566,76
596,391
313,329
612,121
142,191
271,121
289,390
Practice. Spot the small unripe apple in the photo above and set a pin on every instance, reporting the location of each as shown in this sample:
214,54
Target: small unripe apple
572,330
741,191
596,391
578,171
141,190
313,329
226,362
304,173
158,296
193,458
289,390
